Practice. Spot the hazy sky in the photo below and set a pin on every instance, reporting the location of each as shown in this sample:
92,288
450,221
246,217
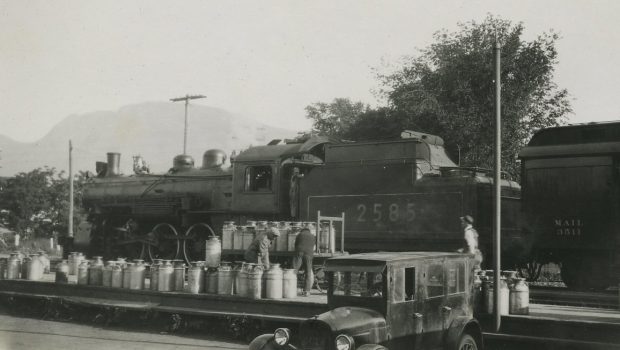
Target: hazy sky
264,59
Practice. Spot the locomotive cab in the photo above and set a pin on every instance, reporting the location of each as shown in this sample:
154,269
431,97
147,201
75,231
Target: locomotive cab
266,178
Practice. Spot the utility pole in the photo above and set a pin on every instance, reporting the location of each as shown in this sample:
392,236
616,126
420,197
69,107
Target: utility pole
70,233
186,99
497,188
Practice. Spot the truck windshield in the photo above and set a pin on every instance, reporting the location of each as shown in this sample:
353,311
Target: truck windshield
359,284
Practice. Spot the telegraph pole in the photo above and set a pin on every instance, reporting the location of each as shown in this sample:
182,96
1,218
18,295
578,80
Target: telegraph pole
186,99
70,233
497,188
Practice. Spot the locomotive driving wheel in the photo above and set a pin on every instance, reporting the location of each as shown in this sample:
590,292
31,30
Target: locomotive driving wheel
127,243
194,244
163,242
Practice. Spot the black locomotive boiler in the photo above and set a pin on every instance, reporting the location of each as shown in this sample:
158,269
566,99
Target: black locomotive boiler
403,194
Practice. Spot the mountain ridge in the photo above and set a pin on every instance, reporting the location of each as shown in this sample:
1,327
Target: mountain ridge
153,130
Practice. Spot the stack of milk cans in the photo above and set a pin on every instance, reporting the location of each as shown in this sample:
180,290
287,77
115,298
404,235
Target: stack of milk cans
513,293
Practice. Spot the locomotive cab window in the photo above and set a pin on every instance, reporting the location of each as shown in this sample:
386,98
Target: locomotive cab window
258,178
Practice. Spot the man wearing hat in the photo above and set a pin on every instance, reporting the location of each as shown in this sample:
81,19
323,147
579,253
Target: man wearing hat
258,251
471,238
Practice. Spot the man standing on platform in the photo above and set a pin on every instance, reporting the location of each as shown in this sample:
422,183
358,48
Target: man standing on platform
258,251
304,253
471,239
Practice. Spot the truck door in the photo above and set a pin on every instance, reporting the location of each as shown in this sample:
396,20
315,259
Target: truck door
434,310
405,316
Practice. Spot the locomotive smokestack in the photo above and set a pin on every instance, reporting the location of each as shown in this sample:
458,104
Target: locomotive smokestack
114,162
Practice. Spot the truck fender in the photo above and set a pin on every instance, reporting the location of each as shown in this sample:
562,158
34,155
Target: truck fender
262,342
372,347
458,327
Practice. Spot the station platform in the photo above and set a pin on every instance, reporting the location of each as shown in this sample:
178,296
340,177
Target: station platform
547,326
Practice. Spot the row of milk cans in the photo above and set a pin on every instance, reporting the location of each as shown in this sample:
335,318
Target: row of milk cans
241,278
18,265
240,237
514,294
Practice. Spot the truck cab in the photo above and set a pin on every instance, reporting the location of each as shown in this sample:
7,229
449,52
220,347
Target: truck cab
390,300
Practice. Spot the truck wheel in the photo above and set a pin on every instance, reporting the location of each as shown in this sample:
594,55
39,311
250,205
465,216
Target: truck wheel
467,342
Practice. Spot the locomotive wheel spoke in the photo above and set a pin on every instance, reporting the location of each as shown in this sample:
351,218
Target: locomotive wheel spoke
163,245
194,249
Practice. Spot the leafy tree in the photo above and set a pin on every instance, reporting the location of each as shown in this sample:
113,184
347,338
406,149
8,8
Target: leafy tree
35,204
335,118
448,90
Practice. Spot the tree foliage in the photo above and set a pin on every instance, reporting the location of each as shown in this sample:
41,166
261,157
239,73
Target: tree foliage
36,204
335,118
448,89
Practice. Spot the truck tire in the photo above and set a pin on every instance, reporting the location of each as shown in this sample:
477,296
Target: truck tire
467,342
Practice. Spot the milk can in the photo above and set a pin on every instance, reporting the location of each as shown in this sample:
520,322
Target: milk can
127,274
71,262
95,271
106,279
82,272
13,267
255,282
281,241
45,260
274,283
260,229
248,236
225,279
268,226
310,226
62,272
137,274
179,276
241,279
519,297
504,297
238,237
478,307
324,238
292,235
165,281
213,252
121,262
228,232
77,260
117,276
155,273
195,278
289,283
25,263
510,276
211,280
35,268
487,295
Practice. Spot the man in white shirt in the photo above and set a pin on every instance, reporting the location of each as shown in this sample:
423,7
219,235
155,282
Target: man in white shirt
471,238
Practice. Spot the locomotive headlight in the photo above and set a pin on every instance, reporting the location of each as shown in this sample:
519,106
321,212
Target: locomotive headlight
345,342
282,336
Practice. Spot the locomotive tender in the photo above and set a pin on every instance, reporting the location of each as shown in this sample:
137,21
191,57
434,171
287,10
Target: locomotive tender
397,195
571,201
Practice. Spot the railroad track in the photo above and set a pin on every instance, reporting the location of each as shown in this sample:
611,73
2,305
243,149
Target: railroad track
563,296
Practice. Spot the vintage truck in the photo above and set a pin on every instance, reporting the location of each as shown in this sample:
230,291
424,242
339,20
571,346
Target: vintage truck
390,300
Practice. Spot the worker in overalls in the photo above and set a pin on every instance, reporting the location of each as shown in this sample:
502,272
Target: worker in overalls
258,251
304,254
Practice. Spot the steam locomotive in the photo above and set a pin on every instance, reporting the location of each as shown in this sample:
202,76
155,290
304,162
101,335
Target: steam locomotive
403,194
571,201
